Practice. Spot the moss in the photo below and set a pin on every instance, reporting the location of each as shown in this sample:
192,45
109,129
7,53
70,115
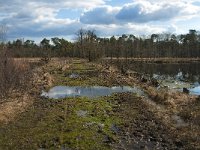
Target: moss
57,124
54,124
88,76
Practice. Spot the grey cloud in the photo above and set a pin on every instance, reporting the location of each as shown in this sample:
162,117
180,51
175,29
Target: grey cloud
139,12
23,18
130,13
135,13
36,30
100,15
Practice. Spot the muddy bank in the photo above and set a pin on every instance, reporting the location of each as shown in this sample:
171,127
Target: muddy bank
158,60
143,129
174,110
155,120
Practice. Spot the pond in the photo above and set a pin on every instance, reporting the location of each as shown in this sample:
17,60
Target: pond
190,70
172,75
58,92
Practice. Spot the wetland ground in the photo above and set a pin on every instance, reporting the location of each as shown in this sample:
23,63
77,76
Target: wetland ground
158,119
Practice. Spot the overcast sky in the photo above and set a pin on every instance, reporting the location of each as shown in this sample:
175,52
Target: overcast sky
36,19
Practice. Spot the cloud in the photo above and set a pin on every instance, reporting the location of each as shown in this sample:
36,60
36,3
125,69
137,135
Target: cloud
145,11
44,29
141,11
135,29
36,18
99,15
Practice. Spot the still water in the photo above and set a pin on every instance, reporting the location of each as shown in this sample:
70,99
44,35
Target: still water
93,91
171,75
195,90
178,82
188,69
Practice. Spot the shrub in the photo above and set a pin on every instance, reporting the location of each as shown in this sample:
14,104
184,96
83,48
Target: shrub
12,73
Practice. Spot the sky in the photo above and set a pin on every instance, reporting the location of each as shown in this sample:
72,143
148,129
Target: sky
37,19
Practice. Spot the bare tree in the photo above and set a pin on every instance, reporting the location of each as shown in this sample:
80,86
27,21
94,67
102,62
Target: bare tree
80,38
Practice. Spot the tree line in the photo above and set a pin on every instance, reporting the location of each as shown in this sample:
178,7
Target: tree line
89,45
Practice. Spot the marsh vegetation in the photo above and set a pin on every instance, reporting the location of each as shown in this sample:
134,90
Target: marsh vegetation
101,93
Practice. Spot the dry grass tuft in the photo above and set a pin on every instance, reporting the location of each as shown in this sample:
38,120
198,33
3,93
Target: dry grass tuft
13,73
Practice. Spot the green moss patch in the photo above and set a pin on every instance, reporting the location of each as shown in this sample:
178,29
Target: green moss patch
88,75
54,124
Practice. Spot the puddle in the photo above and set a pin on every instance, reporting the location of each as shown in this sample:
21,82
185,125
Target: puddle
81,113
195,90
114,128
74,76
94,91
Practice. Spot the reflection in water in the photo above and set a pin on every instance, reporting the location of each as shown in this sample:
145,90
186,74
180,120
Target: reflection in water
188,69
172,82
94,91
195,90
177,82
172,75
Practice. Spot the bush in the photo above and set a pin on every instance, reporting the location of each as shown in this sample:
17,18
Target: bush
12,73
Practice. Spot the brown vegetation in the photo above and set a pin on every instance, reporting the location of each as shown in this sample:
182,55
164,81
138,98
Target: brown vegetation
12,73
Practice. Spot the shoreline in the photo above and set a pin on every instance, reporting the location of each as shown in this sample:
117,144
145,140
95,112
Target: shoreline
157,60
